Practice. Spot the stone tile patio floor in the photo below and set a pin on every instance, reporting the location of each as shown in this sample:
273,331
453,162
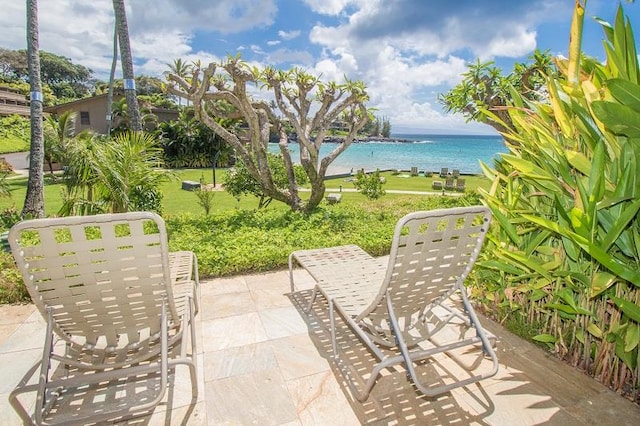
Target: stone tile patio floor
263,361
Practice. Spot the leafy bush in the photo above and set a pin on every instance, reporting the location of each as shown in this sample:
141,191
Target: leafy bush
14,133
9,217
205,199
12,289
370,185
115,175
240,182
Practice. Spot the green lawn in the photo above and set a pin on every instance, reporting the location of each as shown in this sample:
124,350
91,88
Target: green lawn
177,200
411,183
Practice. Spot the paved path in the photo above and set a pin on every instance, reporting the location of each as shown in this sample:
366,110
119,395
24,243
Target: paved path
264,361
19,161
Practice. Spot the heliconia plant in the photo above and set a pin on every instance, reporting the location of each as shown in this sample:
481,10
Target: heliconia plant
564,252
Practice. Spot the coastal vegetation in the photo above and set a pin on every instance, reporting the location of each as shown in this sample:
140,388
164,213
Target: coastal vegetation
563,256
239,180
112,175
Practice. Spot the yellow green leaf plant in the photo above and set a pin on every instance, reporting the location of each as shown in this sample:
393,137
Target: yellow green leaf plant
563,256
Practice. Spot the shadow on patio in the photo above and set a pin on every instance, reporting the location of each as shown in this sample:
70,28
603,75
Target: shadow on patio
264,361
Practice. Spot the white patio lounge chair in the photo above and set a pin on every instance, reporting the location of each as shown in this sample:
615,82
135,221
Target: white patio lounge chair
119,312
403,311
449,184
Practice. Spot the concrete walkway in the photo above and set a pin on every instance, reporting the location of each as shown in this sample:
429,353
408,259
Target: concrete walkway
19,161
264,361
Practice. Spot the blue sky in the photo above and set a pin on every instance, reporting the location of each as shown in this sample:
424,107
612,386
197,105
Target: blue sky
406,51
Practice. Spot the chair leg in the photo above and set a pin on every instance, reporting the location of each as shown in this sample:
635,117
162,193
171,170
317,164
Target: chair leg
293,286
24,388
193,367
360,394
409,358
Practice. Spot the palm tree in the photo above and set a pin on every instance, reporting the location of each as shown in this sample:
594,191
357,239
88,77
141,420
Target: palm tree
127,174
57,133
112,77
181,69
127,64
80,158
116,174
34,199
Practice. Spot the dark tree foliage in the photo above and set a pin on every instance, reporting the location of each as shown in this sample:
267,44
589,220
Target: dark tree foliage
378,127
187,142
485,88
66,79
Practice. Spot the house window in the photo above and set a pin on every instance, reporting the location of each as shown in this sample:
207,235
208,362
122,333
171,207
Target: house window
84,118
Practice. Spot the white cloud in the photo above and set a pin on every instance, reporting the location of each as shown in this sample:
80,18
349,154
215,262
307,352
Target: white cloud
409,51
273,42
288,35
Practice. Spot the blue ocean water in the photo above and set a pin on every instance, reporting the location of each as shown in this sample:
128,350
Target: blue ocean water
427,152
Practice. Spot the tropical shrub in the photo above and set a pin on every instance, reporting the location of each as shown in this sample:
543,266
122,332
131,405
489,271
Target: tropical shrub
14,133
564,254
113,175
9,217
57,131
370,185
239,181
12,289
189,143
205,198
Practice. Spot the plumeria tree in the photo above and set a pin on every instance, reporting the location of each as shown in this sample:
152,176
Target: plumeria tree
304,105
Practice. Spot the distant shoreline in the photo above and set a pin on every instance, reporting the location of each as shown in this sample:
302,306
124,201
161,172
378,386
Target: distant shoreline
340,139
403,138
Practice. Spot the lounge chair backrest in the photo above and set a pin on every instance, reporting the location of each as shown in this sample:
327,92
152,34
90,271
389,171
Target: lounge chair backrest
104,277
432,253
449,183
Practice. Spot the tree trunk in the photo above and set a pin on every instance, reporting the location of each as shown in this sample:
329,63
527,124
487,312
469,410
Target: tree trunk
112,77
127,65
34,199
